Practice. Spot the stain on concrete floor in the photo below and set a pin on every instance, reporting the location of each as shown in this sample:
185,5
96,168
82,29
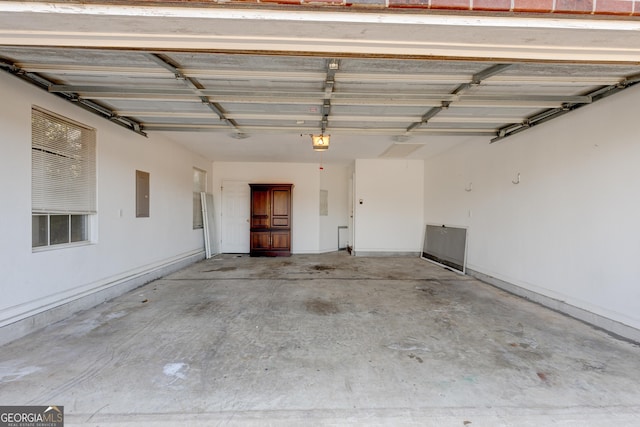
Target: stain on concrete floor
248,341
323,267
321,307
220,269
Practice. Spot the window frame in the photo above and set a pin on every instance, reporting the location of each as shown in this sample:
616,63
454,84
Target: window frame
71,241
64,181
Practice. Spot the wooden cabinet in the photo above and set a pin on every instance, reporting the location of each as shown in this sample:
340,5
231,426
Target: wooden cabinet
270,219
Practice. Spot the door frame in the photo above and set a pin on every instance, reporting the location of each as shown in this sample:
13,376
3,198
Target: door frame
224,222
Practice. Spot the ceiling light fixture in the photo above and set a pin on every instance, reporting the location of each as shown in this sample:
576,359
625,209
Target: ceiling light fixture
239,135
320,142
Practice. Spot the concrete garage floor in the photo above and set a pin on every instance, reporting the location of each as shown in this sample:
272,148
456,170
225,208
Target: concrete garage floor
323,340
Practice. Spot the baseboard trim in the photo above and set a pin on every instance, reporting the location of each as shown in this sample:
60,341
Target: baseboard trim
613,327
108,291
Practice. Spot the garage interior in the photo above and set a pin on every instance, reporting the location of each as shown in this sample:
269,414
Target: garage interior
519,128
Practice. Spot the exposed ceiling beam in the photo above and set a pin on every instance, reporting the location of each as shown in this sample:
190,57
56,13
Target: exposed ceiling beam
86,104
340,98
343,77
329,85
550,114
524,104
136,90
93,70
292,117
553,80
475,80
303,130
218,74
193,84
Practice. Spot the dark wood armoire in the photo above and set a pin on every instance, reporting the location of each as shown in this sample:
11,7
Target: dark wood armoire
270,219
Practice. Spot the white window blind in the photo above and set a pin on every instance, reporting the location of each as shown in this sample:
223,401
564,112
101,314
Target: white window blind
63,173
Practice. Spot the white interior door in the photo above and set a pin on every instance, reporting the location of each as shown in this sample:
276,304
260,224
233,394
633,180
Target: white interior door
236,209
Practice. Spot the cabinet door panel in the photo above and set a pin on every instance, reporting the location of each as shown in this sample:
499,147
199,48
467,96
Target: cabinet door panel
280,222
260,240
281,202
260,208
280,240
281,207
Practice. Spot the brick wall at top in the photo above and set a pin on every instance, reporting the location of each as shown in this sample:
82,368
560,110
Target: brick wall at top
614,8
583,7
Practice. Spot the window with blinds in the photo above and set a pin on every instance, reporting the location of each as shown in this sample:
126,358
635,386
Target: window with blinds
63,179
199,186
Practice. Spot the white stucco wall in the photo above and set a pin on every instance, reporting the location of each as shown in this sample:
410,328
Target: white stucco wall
335,180
570,230
390,218
125,246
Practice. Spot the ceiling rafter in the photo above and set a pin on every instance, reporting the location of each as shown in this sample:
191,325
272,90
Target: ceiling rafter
343,77
341,130
195,86
329,85
476,80
310,117
339,98
552,113
340,101
89,105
